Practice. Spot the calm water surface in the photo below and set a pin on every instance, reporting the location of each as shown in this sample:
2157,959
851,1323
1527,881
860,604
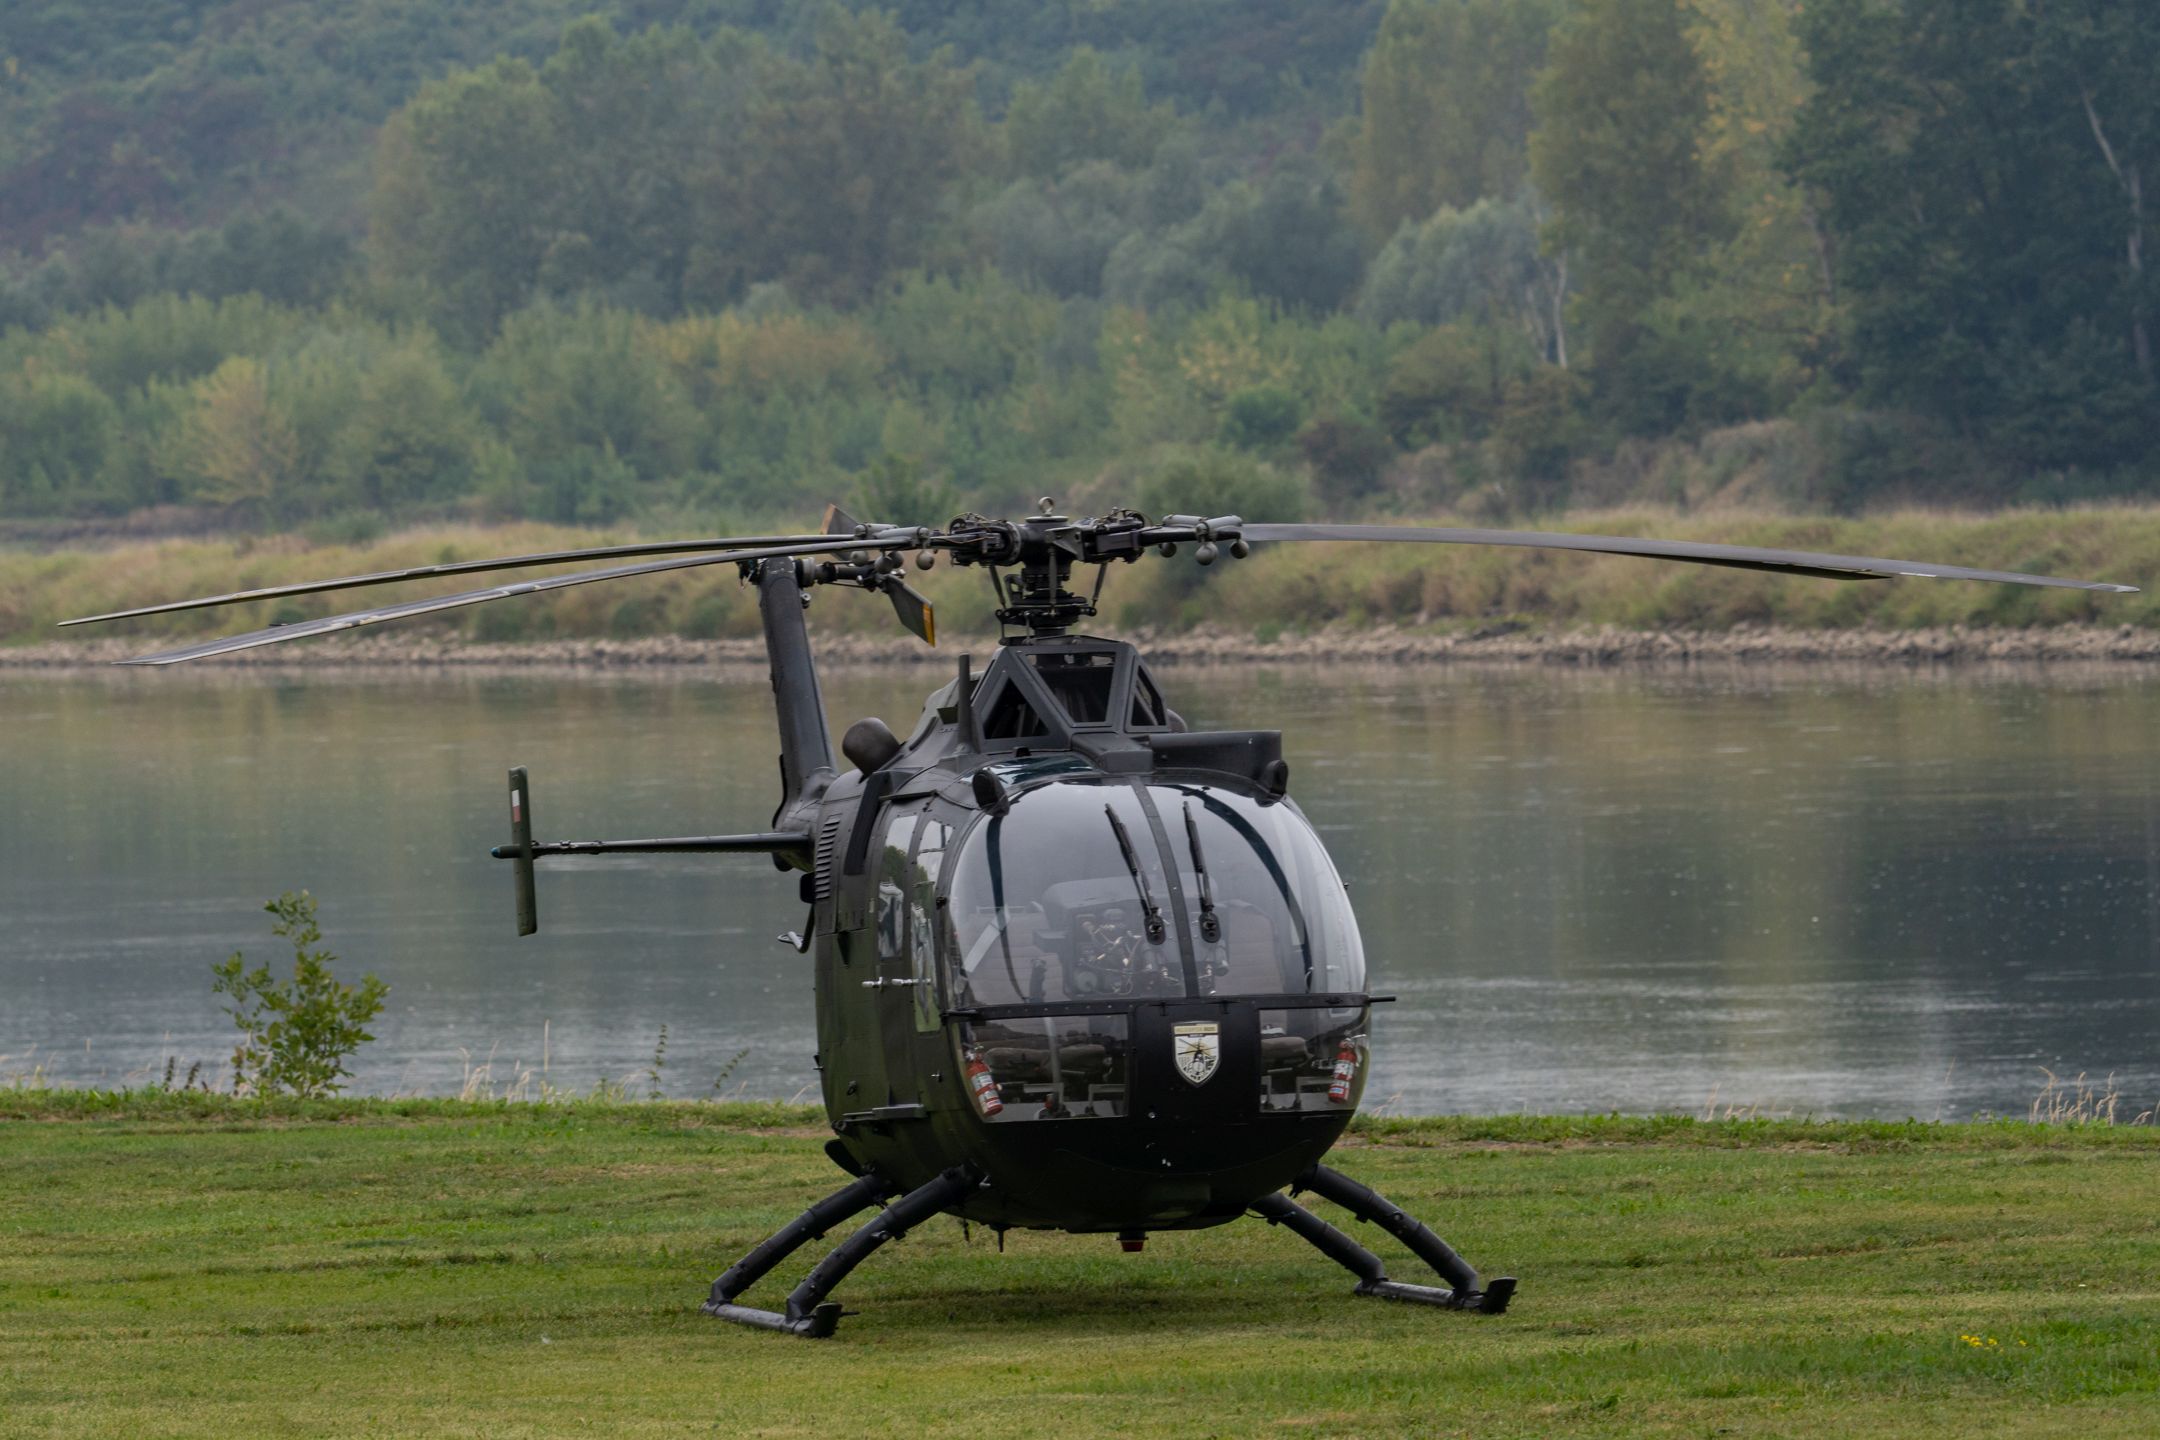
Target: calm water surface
1837,893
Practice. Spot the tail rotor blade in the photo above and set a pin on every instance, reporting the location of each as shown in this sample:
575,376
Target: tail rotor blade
915,612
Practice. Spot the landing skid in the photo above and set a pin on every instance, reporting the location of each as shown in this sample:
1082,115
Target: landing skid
812,1316
1465,1290
808,1312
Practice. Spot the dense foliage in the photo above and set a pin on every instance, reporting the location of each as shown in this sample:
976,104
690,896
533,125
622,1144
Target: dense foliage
575,261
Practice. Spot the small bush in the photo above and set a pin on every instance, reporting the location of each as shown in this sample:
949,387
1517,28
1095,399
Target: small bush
297,1034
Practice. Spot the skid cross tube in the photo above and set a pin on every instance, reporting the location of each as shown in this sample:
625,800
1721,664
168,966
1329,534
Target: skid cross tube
1465,1290
808,1313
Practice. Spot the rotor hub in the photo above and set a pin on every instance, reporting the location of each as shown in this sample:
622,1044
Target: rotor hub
1035,599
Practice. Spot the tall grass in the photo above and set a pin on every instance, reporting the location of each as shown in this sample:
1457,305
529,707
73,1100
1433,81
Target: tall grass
2078,1102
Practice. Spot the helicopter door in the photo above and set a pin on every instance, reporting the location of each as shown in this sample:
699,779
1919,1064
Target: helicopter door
908,1013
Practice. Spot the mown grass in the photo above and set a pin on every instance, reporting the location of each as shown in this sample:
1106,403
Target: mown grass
1282,586
192,1265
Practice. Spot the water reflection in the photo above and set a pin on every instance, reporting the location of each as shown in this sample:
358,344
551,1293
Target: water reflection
1855,892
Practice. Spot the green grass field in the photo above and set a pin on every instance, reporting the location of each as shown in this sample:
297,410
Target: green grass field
194,1266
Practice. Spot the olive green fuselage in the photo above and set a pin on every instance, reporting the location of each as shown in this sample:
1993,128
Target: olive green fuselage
1108,967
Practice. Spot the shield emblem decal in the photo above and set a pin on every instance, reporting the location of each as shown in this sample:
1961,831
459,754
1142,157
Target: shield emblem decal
1197,1050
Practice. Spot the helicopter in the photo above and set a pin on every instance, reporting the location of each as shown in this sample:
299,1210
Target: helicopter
1078,966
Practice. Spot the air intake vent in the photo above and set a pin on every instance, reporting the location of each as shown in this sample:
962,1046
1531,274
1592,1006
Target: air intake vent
827,861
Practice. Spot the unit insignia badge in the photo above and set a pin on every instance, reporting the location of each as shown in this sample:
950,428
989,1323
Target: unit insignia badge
1197,1048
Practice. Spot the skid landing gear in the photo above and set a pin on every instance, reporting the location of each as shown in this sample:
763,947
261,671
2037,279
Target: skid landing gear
1465,1292
809,1313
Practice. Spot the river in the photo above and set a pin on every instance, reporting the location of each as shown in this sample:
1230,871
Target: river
1793,891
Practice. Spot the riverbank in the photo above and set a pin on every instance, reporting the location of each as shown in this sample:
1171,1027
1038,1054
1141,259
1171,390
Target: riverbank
193,1266
1384,644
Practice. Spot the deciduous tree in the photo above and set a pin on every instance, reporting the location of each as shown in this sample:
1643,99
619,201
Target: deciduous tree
1446,106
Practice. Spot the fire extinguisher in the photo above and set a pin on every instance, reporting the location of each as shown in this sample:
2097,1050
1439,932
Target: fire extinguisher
984,1086
1338,1090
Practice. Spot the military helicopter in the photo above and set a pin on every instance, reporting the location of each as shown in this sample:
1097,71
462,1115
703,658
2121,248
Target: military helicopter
1078,966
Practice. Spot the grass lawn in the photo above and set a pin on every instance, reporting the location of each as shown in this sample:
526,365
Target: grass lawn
190,1266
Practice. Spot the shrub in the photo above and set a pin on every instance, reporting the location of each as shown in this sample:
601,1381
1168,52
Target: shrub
297,1034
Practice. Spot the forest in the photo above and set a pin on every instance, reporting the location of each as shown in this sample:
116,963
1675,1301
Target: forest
337,267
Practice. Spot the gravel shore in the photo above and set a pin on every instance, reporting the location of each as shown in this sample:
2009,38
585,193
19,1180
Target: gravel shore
1600,646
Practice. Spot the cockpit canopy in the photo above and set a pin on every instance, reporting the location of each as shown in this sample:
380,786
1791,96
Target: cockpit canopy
1105,890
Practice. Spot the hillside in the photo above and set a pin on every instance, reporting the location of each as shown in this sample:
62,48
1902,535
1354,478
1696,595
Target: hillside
185,112
268,266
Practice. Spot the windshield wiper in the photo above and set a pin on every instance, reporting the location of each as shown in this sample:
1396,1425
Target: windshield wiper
1155,928
1210,925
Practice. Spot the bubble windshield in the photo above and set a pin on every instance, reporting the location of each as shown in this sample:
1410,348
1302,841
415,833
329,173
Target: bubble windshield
1094,891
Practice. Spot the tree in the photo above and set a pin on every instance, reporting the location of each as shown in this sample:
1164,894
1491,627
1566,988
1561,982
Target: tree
850,157
1346,455
590,406
1484,264
1446,106
240,451
1453,383
1282,239
1086,111
1623,119
1981,167
1059,234
2105,54
409,437
466,192
57,431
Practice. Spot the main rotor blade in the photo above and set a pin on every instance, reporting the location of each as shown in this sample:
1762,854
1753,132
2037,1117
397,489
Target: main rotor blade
459,567
331,624
1740,557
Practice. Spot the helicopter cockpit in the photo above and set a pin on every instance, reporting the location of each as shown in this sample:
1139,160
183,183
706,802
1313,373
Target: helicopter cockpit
1086,900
